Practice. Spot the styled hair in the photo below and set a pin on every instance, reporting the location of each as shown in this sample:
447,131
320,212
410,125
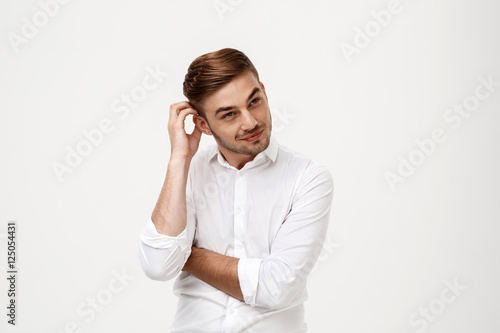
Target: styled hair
211,71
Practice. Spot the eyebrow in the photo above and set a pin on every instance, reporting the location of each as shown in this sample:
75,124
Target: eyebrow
227,108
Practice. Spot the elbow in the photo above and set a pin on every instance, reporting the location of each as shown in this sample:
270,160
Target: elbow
280,300
158,267
158,273
283,292
277,302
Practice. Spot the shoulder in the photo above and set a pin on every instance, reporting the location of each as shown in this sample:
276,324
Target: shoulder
312,181
199,165
204,154
304,166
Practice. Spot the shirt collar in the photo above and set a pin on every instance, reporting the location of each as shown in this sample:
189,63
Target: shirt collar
271,151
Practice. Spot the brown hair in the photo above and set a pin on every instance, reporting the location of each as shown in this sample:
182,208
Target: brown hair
211,71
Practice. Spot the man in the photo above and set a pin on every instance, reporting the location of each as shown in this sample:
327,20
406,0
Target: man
243,220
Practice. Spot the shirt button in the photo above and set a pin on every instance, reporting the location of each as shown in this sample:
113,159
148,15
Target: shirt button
231,311
239,209
239,246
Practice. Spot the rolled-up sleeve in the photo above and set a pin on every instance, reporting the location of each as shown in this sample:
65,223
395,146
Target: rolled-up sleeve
248,275
162,257
274,282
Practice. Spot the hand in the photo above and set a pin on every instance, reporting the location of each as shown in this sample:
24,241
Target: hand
182,145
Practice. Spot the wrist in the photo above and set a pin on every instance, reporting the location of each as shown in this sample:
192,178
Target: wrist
176,161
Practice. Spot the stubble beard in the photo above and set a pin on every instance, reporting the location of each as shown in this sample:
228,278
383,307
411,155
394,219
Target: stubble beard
257,147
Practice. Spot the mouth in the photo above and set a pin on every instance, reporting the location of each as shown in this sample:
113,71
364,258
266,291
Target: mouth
253,137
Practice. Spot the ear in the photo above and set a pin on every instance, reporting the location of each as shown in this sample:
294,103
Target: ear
201,124
263,89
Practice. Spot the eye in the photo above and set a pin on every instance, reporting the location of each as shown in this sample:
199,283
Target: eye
228,115
254,101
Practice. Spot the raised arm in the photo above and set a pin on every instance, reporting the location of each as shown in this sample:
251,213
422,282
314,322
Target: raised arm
165,241
169,215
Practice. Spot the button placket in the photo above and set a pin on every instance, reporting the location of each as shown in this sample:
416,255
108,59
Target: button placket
240,196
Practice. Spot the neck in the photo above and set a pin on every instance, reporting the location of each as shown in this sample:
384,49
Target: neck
236,160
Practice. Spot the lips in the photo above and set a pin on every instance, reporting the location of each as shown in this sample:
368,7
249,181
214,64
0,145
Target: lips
253,137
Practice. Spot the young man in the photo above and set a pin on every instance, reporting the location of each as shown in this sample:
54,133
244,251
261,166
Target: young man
243,220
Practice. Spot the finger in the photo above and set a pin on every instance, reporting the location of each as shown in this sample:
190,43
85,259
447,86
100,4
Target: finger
177,107
196,133
175,115
185,112
180,105
182,116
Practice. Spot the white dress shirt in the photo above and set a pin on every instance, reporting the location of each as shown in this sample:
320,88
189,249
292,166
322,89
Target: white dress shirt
273,214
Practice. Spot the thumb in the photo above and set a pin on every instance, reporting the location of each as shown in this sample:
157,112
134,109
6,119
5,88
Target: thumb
196,133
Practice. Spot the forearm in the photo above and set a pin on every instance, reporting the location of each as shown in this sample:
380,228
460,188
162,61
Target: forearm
169,215
217,270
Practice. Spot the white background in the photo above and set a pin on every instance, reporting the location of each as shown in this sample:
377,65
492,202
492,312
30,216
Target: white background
388,252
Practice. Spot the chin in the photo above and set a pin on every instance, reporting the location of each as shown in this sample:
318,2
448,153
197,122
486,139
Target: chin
262,143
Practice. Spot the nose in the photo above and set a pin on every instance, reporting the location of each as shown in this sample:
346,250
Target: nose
248,121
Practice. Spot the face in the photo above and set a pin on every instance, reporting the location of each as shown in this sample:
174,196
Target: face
238,117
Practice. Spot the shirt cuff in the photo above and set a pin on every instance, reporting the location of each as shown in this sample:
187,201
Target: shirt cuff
248,275
151,237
